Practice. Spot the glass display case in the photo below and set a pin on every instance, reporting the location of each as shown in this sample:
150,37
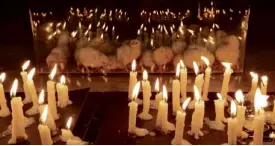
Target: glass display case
105,37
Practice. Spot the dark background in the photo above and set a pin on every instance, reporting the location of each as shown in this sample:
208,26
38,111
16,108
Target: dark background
16,37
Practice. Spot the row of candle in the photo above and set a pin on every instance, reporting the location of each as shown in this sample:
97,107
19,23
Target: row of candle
235,122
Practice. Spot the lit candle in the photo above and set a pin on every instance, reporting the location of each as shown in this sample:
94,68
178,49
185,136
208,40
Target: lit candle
62,93
5,111
180,123
17,123
198,115
176,91
254,85
146,90
158,96
67,133
240,114
132,79
219,110
183,80
51,94
232,125
199,77
264,85
44,131
23,74
35,107
226,79
207,78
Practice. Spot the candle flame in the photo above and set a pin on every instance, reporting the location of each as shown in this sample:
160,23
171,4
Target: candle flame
226,65
101,36
145,75
233,109
260,100
2,77
239,96
196,67
90,27
41,98
254,75
219,96
157,85
14,88
185,103
44,114
134,65
26,65
182,64
138,32
197,93
69,123
264,78
178,70
136,91
164,93
53,72
31,74
205,60
62,79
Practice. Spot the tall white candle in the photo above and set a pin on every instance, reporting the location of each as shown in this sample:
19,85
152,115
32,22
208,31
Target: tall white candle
67,133
5,111
146,90
199,78
176,91
232,125
183,80
207,78
62,93
44,131
241,112
35,107
219,109
254,85
264,85
51,94
23,74
158,96
133,105
226,79
17,123
132,79
180,123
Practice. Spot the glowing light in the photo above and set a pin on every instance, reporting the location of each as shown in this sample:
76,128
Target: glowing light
182,64
226,65
14,88
197,93
205,60
31,74
44,114
134,65
178,70
185,103
157,85
145,75
26,65
2,77
260,100
41,98
62,79
264,78
196,67
69,123
219,96
233,109
254,75
53,72
164,93
136,91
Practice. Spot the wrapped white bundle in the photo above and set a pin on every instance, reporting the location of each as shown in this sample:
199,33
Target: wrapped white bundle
147,59
58,56
114,63
178,47
163,55
90,57
127,53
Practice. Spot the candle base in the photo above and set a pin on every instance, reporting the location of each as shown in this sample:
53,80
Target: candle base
216,125
13,140
76,141
63,105
141,132
182,142
4,112
145,116
197,133
32,111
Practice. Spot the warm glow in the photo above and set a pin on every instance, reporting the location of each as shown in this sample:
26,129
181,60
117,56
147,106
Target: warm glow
197,93
90,27
233,109
205,60
138,32
136,91
134,65
145,75
44,114
2,77
41,98
178,70
62,79
196,67
254,75
185,103
164,93
26,65
260,100
239,96
157,85
101,36
182,64
73,34
69,123
264,78
190,31
14,88
226,65
219,96
53,72
31,74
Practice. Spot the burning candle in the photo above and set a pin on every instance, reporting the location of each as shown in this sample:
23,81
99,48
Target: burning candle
67,133
241,113
219,110
133,109
180,123
51,94
62,93
146,90
158,96
5,111
132,79
264,85
35,107
207,78
183,80
17,123
254,85
44,131
199,77
176,90
23,74
226,79
232,125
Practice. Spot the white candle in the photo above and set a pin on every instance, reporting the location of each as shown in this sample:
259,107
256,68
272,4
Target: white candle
5,111
241,112
226,79
51,94
67,133
176,91
264,85
17,123
162,116
158,96
207,78
44,131
132,79
199,78
254,85
146,90
133,105
232,125
62,93
219,109
183,80
180,123
35,107
198,115
23,74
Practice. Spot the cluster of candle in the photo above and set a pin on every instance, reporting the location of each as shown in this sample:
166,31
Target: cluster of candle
48,112
201,84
